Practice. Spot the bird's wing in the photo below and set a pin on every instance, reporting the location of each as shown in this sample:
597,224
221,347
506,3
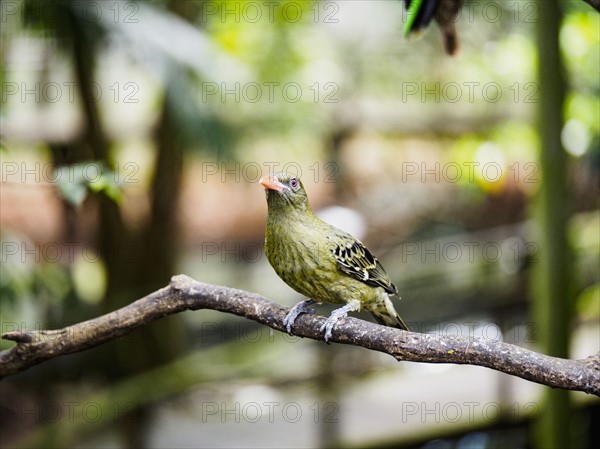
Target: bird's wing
354,259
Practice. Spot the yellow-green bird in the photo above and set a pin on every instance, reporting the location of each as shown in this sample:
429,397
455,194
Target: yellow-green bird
321,261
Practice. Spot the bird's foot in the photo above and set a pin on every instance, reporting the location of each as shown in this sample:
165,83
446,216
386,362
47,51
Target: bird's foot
342,312
301,307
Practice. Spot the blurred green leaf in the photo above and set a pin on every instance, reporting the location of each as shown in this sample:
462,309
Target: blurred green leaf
76,180
73,192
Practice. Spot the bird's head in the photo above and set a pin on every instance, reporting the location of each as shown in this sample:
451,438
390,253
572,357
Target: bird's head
285,192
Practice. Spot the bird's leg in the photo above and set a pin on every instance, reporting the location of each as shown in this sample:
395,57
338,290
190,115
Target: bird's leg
342,312
301,307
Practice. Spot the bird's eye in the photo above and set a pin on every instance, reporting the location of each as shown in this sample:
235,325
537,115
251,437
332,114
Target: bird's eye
294,183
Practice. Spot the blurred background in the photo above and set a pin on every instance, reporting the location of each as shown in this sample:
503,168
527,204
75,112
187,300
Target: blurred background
133,138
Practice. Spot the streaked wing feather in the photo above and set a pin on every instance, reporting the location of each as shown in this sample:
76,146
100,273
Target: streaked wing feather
354,259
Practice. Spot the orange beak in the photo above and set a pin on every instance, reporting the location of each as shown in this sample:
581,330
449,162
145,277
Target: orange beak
272,183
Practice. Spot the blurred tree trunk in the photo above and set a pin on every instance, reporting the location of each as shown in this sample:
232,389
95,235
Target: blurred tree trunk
552,276
94,144
136,262
157,251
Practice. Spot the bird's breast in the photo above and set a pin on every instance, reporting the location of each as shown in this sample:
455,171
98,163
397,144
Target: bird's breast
304,263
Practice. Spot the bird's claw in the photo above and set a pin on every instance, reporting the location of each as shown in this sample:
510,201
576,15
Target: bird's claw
301,307
333,318
328,327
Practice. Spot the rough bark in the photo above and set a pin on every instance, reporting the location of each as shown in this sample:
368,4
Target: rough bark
184,293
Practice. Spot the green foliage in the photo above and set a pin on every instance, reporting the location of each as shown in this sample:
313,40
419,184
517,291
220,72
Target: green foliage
75,182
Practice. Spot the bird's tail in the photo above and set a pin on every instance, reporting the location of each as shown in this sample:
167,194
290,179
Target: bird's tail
390,321
386,315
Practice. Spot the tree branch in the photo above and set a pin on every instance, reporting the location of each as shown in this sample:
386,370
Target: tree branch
184,293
